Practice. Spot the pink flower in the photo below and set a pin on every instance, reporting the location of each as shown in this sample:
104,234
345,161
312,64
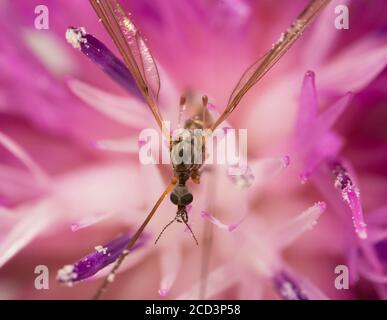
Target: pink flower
70,179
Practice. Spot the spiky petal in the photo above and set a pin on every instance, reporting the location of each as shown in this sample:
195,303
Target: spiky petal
95,261
97,52
207,216
350,194
292,286
287,233
170,266
287,288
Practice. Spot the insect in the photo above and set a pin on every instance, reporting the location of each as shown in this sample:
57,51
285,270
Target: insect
139,61
187,155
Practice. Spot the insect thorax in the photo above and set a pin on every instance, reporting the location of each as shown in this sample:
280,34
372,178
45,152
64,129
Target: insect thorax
188,151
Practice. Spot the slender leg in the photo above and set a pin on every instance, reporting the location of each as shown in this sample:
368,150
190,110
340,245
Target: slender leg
122,257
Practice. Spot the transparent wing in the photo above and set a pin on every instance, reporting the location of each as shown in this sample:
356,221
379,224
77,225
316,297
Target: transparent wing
253,74
137,56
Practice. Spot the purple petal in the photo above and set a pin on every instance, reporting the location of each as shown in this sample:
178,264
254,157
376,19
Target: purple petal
287,288
381,248
327,119
378,216
97,52
292,287
324,28
351,195
326,147
314,136
354,68
307,113
95,261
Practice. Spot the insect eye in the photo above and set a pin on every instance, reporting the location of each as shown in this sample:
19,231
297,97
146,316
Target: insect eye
186,199
174,198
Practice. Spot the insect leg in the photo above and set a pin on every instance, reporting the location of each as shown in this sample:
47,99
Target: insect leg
119,261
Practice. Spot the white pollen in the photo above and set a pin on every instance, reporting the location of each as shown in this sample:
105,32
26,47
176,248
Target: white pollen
75,37
67,275
100,249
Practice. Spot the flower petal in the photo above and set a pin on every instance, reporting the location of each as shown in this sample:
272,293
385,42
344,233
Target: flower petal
373,276
288,233
328,146
207,216
267,169
323,28
88,221
288,288
98,53
378,216
351,195
22,155
128,111
34,220
291,287
257,175
17,186
328,117
95,261
217,281
170,266
307,113
355,67
127,145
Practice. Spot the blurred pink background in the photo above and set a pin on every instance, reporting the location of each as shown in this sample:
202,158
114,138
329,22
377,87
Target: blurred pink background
56,105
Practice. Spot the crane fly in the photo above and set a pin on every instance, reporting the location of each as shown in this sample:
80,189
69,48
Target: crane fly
141,64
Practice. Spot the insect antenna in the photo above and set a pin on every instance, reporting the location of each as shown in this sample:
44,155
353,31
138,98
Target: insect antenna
193,235
187,225
122,257
162,231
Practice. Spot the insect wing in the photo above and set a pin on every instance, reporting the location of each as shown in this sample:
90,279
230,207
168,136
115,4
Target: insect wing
133,49
254,73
